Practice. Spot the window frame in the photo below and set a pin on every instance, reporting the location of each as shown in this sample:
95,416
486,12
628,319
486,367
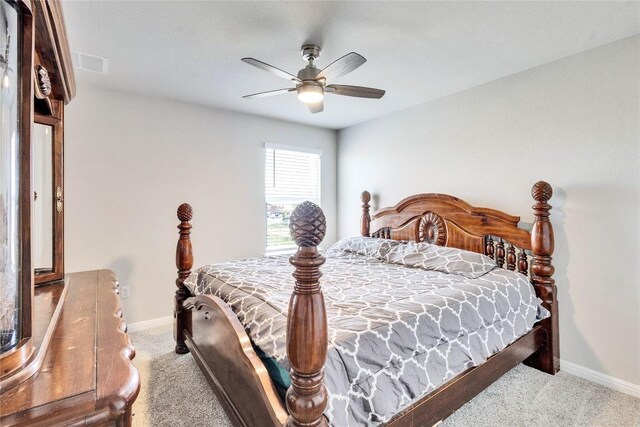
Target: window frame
293,148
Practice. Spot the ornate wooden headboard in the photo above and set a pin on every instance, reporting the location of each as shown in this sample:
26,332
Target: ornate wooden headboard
448,221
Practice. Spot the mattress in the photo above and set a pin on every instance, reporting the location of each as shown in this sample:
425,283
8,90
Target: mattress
403,318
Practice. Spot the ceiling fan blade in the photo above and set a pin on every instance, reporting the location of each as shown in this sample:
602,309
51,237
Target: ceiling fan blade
342,66
316,107
358,91
270,68
269,93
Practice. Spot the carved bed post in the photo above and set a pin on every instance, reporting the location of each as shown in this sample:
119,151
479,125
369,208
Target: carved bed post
184,262
365,221
307,321
546,359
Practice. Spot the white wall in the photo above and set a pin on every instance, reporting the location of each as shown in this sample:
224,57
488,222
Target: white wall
574,123
130,161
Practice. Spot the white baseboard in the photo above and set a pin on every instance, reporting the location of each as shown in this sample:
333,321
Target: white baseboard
600,378
148,324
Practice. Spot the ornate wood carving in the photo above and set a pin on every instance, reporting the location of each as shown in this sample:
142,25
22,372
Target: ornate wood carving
490,249
474,221
383,233
500,253
44,82
53,48
523,262
184,262
42,89
365,221
307,321
548,359
511,257
431,229
542,241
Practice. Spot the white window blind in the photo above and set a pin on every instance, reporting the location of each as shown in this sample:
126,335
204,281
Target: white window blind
291,177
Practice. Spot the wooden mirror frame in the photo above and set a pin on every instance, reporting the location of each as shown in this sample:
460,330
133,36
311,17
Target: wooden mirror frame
56,120
53,55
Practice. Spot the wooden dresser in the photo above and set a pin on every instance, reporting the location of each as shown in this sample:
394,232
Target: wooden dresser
87,377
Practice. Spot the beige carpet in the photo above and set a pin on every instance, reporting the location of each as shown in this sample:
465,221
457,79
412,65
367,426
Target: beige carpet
175,393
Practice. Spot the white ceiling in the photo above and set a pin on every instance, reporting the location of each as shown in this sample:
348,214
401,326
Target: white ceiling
417,51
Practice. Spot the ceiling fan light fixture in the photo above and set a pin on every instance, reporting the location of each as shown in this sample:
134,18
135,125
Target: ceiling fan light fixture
310,93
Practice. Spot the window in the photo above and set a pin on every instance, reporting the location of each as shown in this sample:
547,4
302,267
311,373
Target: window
292,175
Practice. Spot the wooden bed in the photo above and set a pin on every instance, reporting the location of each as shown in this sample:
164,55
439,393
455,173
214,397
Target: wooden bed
207,327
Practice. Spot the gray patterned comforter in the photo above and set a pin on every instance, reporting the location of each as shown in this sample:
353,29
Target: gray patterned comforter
404,318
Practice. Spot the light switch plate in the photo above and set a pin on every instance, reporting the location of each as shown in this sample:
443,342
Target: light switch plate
125,291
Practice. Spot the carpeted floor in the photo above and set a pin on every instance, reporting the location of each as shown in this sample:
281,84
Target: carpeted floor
175,393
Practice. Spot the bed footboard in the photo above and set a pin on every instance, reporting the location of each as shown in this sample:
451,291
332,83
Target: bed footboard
208,328
223,350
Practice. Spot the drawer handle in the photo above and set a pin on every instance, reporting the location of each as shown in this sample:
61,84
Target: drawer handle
207,316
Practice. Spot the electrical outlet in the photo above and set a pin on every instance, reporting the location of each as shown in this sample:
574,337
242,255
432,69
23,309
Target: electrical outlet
125,291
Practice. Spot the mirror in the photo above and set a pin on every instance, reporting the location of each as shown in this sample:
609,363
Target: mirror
43,197
11,279
47,203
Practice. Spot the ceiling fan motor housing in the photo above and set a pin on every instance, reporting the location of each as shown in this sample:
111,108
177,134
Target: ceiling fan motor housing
308,73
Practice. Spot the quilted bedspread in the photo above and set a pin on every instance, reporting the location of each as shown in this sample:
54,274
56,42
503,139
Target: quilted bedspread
403,318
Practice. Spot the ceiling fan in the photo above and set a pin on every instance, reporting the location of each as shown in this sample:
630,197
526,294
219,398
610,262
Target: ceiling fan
311,82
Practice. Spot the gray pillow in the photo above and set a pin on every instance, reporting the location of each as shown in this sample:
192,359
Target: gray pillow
365,246
438,258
